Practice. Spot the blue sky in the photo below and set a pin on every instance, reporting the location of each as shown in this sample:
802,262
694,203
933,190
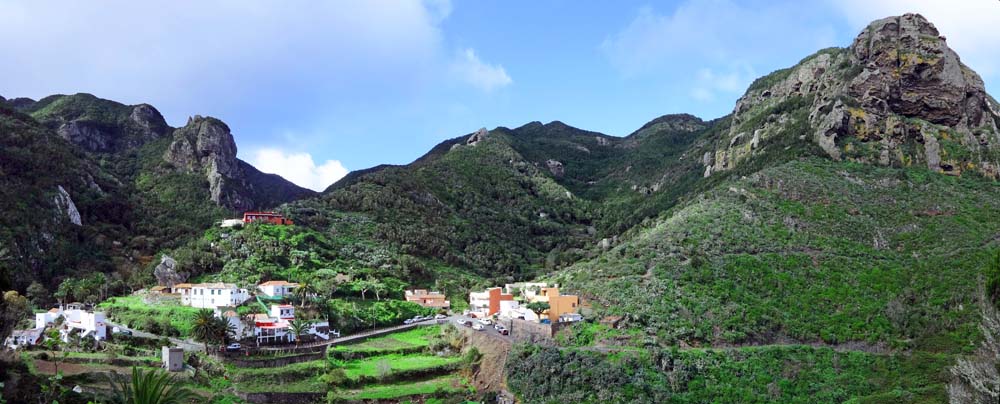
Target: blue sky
313,89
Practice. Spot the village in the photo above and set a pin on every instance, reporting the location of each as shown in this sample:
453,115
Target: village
253,324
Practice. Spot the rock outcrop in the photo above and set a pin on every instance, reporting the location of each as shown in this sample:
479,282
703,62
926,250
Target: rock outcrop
206,146
98,125
897,96
166,272
556,168
65,206
477,137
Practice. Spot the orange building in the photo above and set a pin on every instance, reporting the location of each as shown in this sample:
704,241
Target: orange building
266,217
425,298
488,302
558,304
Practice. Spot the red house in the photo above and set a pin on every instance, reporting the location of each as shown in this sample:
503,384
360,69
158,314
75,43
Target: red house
266,217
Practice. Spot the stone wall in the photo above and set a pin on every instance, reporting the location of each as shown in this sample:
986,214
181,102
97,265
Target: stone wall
247,362
283,398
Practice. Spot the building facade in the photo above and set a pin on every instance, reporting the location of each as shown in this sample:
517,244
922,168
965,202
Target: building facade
277,289
426,298
215,295
487,303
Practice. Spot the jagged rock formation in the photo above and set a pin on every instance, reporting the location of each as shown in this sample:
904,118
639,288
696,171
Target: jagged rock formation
65,205
897,96
206,146
477,137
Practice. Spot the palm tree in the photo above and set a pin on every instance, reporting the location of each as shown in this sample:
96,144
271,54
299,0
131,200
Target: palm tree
305,289
205,327
152,387
298,327
223,329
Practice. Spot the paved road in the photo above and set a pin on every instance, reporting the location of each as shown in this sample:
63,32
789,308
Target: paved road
487,329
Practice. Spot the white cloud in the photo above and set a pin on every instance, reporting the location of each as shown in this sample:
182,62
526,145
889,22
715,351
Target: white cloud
697,31
709,83
299,168
189,56
486,77
971,25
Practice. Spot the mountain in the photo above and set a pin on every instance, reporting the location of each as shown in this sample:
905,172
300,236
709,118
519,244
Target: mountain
92,185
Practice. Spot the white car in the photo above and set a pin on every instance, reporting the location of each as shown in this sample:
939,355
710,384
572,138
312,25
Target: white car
440,316
486,321
478,327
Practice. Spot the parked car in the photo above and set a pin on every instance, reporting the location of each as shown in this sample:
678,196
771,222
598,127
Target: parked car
440,316
467,323
478,327
122,331
408,321
234,347
486,321
503,331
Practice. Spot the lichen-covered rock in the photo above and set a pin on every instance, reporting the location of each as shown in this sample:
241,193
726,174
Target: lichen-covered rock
897,96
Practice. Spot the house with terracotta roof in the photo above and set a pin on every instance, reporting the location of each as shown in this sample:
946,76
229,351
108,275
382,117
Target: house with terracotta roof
277,289
423,297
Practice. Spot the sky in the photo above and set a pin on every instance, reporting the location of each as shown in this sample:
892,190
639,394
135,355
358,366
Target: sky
314,89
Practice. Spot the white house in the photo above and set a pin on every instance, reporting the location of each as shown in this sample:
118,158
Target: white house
275,326
277,289
23,338
231,223
215,295
283,312
90,324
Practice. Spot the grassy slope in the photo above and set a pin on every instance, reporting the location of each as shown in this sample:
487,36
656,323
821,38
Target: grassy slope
812,250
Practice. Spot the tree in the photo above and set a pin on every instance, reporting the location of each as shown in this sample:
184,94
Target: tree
205,327
152,387
14,309
378,287
38,294
306,288
298,327
362,286
538,307
223,329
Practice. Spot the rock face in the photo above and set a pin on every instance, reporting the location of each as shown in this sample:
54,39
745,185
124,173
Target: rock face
897,96
166,272
477,137
65,205
99,125
556,168
205,146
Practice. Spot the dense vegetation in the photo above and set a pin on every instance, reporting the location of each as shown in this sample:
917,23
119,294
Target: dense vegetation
812,251
788,374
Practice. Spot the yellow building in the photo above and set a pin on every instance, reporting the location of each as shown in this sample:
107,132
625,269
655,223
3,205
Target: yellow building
558,304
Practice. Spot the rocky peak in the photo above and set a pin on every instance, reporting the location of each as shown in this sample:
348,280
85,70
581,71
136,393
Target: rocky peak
477,137
149,120
96,124
897,96
205,145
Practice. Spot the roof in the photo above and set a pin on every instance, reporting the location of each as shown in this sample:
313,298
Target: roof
279,283
215,285
54,310
283,306
155,288
183,286
229,313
